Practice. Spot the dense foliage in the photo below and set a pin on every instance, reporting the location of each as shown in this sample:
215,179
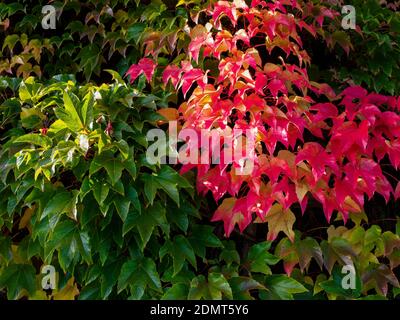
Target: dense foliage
374,60
78,193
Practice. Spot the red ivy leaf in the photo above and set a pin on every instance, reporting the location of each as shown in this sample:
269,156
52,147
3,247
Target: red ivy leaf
145,65
173,73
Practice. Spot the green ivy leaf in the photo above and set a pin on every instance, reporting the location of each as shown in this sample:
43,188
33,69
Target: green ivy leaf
17,277
334,286
10,41
100,191
122,205
87,110
60,203
135,31
112,165
180,250
154,216
241,287
283,287
178,291
202,237
259,258
36,139
212,289
69,114
166,179
138,274
70,242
